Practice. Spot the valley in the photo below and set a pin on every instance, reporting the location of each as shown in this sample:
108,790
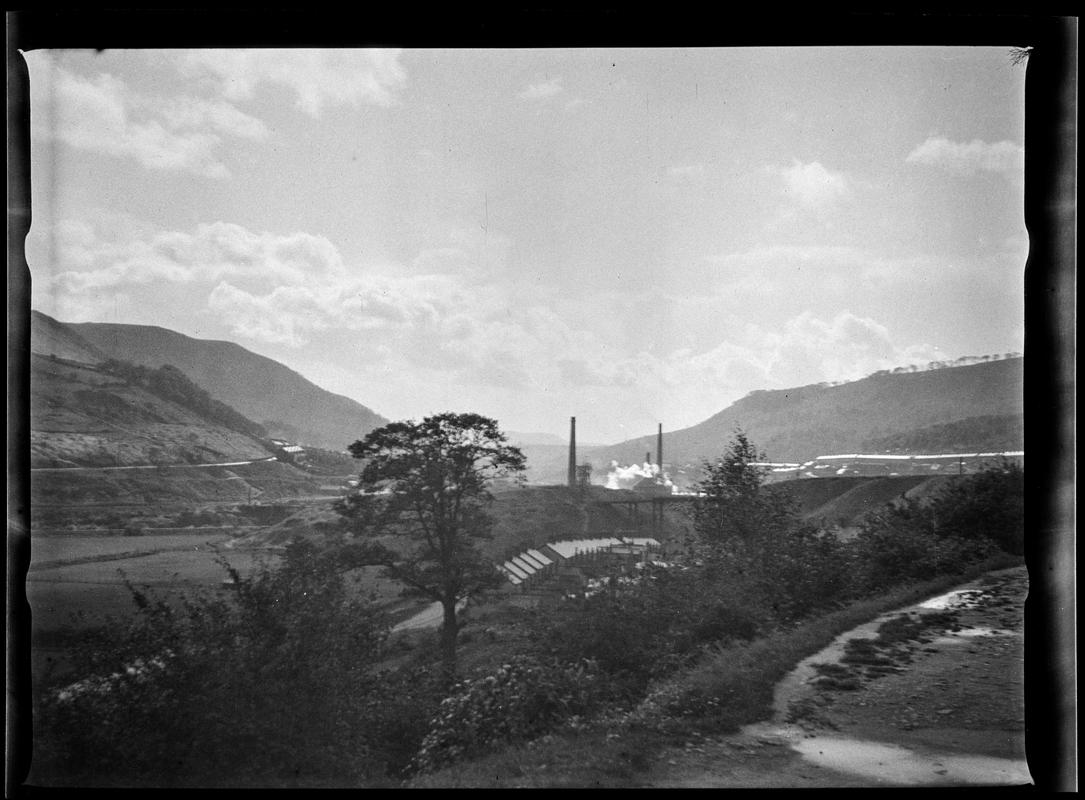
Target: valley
139,473
144,482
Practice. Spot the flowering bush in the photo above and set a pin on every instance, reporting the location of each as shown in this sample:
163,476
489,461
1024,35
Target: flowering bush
525,697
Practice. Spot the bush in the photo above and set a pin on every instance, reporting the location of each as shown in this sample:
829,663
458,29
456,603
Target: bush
274,684
971,520
989,505
636,630
524,698
399,717
757,537
721,623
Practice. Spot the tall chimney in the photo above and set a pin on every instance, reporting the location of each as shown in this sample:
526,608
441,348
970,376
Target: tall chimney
659,449
572,452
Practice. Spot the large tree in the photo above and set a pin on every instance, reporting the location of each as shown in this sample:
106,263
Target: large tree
752,534
736,513
422,504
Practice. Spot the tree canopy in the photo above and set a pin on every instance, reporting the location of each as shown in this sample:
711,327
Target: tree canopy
421,508
755,537
736,512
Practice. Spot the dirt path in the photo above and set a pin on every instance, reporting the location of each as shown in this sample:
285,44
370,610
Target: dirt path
944,708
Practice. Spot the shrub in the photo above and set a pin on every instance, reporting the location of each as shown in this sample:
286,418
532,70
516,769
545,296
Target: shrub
618,629
398,718
986,506
720,622
757,537
901,543
524,698
273,684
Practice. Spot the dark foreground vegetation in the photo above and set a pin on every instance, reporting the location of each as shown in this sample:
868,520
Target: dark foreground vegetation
290,679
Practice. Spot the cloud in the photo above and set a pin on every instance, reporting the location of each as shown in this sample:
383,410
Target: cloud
290,315
810,350
692,385
287,289
100,255
317,77
772,271
686,171
579,372
470,252
542,89
967,158
501,368
102,114
812,185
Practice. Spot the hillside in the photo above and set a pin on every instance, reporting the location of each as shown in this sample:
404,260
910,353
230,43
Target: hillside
51,338
975,407
288,405
994,433
83,416
114,443
844,501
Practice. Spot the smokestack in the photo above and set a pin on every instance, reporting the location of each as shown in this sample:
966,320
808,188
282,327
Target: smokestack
648,457
659,449
572,452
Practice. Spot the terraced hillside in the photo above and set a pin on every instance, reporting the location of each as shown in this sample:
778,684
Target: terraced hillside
107,448
82,416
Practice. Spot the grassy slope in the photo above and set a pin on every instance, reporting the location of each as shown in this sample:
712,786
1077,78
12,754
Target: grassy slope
262,389
82,417
49,337
866,495
808,421
267,481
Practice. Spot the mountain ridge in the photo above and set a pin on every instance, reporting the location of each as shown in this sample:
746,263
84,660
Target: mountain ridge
801,423
264,390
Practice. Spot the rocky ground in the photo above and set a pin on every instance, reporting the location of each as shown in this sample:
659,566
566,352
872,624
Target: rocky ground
929,695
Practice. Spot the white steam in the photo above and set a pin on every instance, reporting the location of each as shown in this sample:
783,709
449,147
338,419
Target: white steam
620,477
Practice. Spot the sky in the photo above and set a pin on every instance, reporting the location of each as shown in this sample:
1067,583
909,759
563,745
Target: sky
627,236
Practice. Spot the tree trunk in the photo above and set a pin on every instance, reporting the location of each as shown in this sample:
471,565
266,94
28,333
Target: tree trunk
449,629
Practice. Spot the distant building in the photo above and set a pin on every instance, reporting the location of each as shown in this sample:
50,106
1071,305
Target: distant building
289,453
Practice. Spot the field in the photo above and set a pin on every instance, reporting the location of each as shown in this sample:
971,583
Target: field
78,581
85,575
46,550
